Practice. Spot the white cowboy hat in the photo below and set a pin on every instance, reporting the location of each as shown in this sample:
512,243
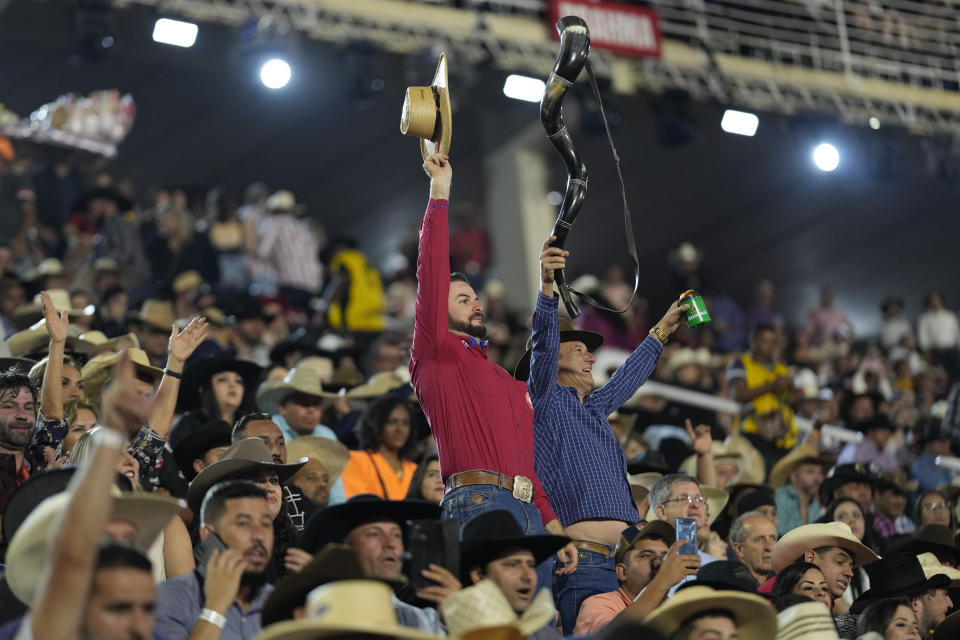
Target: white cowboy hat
483,605
814,536
333,455
309,377
754,617
809,621
804,453
28,556
641,483
932,566
377,385
345,608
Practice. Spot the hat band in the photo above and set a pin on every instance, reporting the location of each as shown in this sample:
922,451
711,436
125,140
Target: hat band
437,129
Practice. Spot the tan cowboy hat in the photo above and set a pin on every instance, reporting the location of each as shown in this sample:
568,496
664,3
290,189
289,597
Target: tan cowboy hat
754,617
641,483
716,501
99,370
49,267
345,608
483,605
283,200
813,536
101,265
249,454
720,454
31,312
806,621
37,338
333,455
683,357
780,474
215,316
756,467
309,376
28,555
187,281
377,385
932,567
427,113
156,313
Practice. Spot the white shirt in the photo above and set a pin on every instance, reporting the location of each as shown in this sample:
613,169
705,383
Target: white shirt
938,330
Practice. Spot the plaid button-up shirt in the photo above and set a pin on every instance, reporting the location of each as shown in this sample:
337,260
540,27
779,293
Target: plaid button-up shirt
578,459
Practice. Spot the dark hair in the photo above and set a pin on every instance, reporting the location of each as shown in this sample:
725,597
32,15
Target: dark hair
829,516
761,327
285,533
215,502
240,426
14,379
369,427
415,492
118,555
790,600
208,400
929,295
789,577
683,633
456,276
877,616
918,509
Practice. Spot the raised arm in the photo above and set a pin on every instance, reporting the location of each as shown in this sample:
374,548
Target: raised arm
181,345
545,353
51,394
433,260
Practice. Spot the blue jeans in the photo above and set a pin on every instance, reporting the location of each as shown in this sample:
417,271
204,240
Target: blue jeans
595,574
466,503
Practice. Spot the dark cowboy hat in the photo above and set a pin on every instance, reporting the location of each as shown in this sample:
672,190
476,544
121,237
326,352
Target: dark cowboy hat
949,628
333,524
492,532
651,462
22,365
724,575
934,538
877,421
843,474
249,454
896,574
196,375
28,495
933,429
82,203
568,333
216,433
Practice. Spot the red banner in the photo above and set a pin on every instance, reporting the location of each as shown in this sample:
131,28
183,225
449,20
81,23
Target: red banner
617,27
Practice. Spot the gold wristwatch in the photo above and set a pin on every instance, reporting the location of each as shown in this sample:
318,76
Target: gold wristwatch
658,333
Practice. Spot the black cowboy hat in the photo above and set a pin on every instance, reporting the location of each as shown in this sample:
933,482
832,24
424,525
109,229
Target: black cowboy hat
196,375
896,574
933,538
82,203
22,365
651,462
490,533
333,524
568,333
841,475
724,575
216,433
28,495
877,421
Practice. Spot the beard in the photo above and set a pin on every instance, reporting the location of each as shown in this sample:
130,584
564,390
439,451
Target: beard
253,580
478,332
15,439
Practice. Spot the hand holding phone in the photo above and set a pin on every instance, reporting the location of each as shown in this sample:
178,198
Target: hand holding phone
432,542
686,529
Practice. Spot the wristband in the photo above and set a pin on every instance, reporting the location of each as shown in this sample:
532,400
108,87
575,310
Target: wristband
214,618
658,333
172,373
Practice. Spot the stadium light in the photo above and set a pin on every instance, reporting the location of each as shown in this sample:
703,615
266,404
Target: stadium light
740,123
275,73
523,88
826,157
175,32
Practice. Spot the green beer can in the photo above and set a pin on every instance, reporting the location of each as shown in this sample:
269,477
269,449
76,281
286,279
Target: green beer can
697,314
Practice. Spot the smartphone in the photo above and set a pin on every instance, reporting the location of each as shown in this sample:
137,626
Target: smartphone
687,530
432,542
206,547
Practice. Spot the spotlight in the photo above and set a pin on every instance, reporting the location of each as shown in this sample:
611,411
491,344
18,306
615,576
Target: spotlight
275,73
175,32
874,122
826,157
740,123
523,88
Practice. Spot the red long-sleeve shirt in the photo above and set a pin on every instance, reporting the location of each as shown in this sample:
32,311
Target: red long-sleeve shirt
480,415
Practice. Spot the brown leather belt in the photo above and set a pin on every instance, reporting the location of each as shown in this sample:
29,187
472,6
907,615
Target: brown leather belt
595,547
520,486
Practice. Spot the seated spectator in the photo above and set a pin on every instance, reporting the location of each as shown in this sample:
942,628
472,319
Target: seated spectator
385,436
873,448
849,512
326,460
850,481
804,579
702,612
935,440
889,504
296,402
796,480
426,483
891,618
753,536
933,508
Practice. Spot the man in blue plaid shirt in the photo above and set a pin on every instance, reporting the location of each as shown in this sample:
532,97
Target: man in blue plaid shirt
577,456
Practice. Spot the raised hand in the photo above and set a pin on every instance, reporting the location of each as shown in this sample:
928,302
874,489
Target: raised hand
182,344
57,323
123,407
677,566
296,560
700,438
437,166
551,259
671,320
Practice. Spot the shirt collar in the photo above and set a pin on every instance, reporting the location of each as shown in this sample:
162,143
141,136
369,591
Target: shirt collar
470,342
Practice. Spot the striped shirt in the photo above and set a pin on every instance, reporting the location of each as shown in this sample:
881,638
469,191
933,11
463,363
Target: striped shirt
288,246
577,456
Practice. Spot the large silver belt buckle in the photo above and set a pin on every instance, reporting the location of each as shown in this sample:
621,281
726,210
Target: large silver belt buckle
522,488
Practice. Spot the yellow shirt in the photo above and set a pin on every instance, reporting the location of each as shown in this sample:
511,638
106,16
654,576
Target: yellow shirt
365,304
759,374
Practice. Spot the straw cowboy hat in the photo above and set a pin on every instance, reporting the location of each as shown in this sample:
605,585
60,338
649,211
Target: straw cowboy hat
155,313
309,377
641,483
187,281
813,536
720,454
99,370
806,621
333,524
483,605
197,374
716,501
333,455
36,338
345,608
685,357
377,385
897,574
102,344
801,454
31,312
284,201
249,454
932,567
755,619
49,267
28,555
568,333
427,113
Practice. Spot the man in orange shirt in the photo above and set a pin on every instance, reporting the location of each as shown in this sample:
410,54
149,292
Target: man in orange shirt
639,554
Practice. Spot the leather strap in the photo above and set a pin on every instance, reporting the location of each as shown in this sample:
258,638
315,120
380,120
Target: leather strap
469,478
595,547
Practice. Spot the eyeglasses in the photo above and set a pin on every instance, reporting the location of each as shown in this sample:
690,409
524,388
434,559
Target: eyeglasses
700,500
935,506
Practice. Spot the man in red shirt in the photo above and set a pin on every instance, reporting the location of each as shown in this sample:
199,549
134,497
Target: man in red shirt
481,417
